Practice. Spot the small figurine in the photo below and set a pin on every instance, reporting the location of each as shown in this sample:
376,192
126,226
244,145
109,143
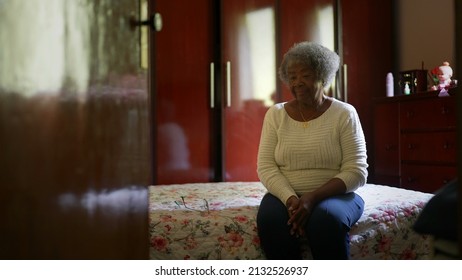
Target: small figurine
443,75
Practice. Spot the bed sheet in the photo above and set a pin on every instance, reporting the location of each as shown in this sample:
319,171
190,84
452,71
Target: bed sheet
218,221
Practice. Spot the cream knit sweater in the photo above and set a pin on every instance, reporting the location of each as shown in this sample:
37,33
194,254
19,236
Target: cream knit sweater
293,159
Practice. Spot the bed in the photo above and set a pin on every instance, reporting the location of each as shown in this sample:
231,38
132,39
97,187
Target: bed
218,221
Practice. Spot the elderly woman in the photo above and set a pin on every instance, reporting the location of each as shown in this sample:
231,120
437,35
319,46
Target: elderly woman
312,157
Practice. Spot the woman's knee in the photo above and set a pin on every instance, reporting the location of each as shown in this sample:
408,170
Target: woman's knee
325,223
343,209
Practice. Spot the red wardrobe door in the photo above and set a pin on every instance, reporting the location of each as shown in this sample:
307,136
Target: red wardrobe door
367,44
248,81
184,51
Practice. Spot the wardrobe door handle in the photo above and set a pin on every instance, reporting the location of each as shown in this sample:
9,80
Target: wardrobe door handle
345,82
212,85
228,83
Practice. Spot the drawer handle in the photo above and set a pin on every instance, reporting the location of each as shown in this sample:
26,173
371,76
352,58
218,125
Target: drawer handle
388,147
446,145
410,146
409,114
410,179
444,110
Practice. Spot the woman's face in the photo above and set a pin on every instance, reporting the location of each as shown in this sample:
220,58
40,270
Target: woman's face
303,82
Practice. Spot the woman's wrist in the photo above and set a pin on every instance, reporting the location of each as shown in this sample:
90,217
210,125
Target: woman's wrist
290,200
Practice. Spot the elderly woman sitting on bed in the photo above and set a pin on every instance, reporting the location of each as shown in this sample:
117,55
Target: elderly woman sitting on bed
312,157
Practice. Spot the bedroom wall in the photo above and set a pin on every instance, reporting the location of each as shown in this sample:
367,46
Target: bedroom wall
426,33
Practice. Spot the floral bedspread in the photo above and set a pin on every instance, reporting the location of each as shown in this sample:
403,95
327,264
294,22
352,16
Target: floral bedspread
218,221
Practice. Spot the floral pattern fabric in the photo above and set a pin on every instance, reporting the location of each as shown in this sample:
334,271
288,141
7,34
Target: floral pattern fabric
218,221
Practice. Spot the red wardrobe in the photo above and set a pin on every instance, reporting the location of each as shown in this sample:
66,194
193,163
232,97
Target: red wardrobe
215,76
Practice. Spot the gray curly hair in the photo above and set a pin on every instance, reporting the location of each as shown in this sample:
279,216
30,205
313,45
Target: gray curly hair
321,60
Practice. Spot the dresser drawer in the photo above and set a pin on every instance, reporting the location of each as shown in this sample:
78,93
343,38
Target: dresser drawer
386,137
388,180
426,178
428,113
429,147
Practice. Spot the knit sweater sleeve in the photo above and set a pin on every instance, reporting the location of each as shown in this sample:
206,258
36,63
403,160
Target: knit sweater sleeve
268,171
353,168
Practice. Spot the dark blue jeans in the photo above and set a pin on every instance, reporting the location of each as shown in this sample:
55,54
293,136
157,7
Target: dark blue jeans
327,229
